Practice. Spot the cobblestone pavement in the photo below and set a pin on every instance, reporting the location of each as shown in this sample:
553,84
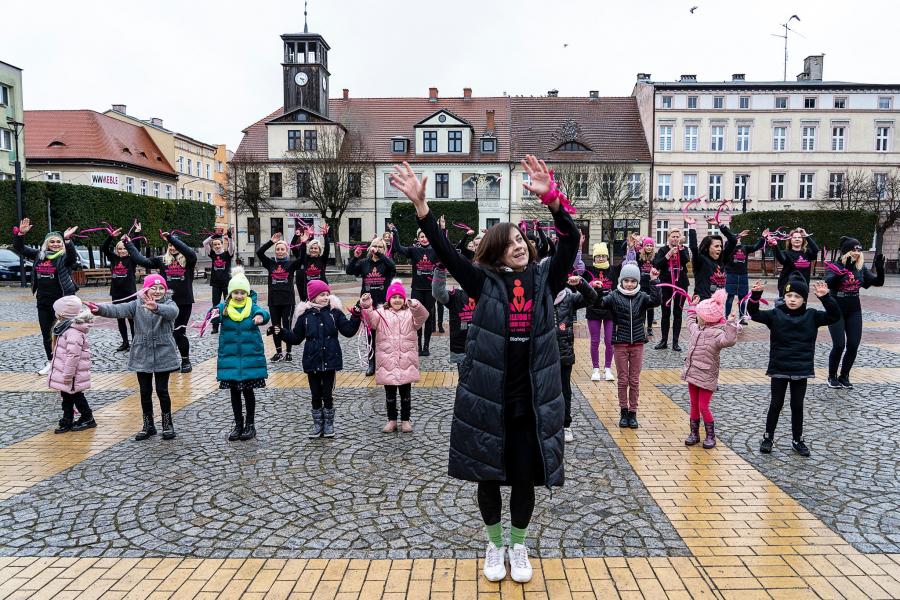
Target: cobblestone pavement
26,414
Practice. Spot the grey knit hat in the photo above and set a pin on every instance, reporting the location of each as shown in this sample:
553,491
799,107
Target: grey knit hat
629,270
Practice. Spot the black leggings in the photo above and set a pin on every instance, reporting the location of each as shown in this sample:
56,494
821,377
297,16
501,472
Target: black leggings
405,401
46,319
146,381
651,315
78,401
321,388
427,300
677,307
779,389
250,398
521,503
440,315
123,329
281,317
846,333
218,292
565,372
180,334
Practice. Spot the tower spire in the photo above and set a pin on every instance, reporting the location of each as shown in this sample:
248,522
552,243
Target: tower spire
305,26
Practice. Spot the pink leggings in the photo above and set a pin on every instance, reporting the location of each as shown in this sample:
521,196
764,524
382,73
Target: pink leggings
594,328
700,403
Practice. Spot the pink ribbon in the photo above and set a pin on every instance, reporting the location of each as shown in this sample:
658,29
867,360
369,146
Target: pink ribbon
554,194
676,291
719,210
463,226
687,219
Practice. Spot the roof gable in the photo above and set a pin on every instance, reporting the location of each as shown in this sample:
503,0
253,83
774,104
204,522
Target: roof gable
300,116
443,118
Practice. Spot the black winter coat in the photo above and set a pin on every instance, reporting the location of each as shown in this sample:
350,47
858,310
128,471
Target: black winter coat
629,314
792,260
709,274
376,275
319,329
571,302
792,343
608,279
674,272
59,283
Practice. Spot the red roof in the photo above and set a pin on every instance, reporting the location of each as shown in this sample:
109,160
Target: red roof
72,135
610,127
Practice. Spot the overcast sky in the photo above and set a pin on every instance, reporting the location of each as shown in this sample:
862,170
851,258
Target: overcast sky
209,69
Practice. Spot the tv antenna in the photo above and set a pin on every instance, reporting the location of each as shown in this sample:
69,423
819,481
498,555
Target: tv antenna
787,28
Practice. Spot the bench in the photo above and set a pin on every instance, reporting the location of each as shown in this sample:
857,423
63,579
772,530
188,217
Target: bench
96,276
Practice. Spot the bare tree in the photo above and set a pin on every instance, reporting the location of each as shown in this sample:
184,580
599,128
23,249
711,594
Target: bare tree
576,180
849,191
619,196
247,189
884,201
334,174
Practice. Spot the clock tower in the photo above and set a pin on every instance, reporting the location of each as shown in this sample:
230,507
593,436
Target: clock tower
306,74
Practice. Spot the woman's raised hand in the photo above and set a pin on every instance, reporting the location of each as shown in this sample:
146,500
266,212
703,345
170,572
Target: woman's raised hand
116,232
69,233
539,175
25,226
406,181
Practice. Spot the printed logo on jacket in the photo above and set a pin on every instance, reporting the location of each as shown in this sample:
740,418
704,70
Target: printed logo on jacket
520,313
45,269
174,272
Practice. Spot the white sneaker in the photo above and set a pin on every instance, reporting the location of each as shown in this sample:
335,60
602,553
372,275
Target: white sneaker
519,566
568,435
609,375
595,376
494,567
45,369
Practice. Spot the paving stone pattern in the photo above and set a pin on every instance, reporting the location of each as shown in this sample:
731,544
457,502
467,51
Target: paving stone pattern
852,480
363,494
26,414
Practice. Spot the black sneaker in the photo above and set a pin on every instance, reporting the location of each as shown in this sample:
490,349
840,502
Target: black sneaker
425,352
277,357
800,447
249,432
844,380
235,434
65,425
441,329
288,357
623,417
124,347
676,347
81,424
632,419
662,345
766,446
186,365
833,383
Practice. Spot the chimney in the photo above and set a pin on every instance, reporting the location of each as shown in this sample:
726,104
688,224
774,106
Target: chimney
156,121
688,78
738,77
489,128
467,93
119,108
432,94
643,76
346,94
594,94
553,93
812,67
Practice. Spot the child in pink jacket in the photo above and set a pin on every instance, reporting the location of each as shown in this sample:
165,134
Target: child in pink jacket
709,333
396,349
70,368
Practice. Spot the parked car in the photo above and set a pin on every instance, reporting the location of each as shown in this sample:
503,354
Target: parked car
9,265
83,259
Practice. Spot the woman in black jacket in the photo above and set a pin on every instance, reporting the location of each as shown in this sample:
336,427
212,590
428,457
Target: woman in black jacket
511,433
708,260
737,281
177,267
122,280
799,254
220,249
671,261
51,275
281,271
313,258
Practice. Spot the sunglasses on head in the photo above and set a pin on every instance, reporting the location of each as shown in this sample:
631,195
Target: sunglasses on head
857,248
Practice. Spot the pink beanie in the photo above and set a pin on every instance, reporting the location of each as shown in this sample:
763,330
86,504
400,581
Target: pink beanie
713,309
151,280
648,241
396,287
67,307
316,287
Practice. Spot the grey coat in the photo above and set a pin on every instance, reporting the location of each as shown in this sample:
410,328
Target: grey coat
153,348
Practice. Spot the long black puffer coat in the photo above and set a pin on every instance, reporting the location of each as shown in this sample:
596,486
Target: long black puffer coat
568,302
629,314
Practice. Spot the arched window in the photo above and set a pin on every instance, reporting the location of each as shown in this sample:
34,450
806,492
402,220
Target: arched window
573,147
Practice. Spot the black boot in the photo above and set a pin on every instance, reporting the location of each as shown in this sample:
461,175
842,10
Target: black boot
710,441
318,425
766,446
168,427
84,423
632,419
124,347
623,417
186,365
238,428
249,431
425,351
371,370
65,425
662,345
148,430
675,346
215,328
328,428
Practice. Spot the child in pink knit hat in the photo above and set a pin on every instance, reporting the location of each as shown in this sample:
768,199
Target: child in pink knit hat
709,333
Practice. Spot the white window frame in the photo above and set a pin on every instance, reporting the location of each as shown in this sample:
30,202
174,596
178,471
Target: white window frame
744,102
838,142
715,186
665,138
777,182
717,138
880,182
779,140
889,102
689,190
144,187
208,171
5,94
580,185
168,192
190,194
835,185
808,138
807,186
786,102
53,176
691,138
743,139
209,198
882,142
199,169
662,231
526,193
6,140
666,102
806,101
634,185
664,186
741,183
129,185
156,189
692,100
190,166
718,102
840,99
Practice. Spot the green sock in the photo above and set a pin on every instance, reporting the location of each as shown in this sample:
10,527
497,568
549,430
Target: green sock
495,533
517,536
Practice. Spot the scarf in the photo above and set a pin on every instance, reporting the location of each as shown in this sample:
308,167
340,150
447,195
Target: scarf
625,292
238,312
55,255
602,265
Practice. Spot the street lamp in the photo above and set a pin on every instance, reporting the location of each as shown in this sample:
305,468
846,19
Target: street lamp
17,127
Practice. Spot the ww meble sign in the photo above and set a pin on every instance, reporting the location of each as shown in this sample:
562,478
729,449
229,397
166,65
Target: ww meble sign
105,180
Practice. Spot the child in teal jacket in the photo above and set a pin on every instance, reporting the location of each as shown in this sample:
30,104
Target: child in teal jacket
241,367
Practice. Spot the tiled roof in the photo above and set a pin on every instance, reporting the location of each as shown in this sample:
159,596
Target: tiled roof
88,135
610,127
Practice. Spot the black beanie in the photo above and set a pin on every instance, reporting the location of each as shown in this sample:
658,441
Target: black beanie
797,284
848,244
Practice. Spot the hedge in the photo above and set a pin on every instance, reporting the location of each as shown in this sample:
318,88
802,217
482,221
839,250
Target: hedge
403,215
87,206
825,226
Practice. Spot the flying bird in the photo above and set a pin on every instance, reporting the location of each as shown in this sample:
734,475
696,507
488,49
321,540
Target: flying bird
565,45
694,8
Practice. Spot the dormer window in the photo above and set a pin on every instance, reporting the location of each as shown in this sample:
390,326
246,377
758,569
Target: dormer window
126,151
573,147
488,145
454,141
399,145
429,141
55,143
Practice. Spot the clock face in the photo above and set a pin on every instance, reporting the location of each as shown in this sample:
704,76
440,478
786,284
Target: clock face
301,78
